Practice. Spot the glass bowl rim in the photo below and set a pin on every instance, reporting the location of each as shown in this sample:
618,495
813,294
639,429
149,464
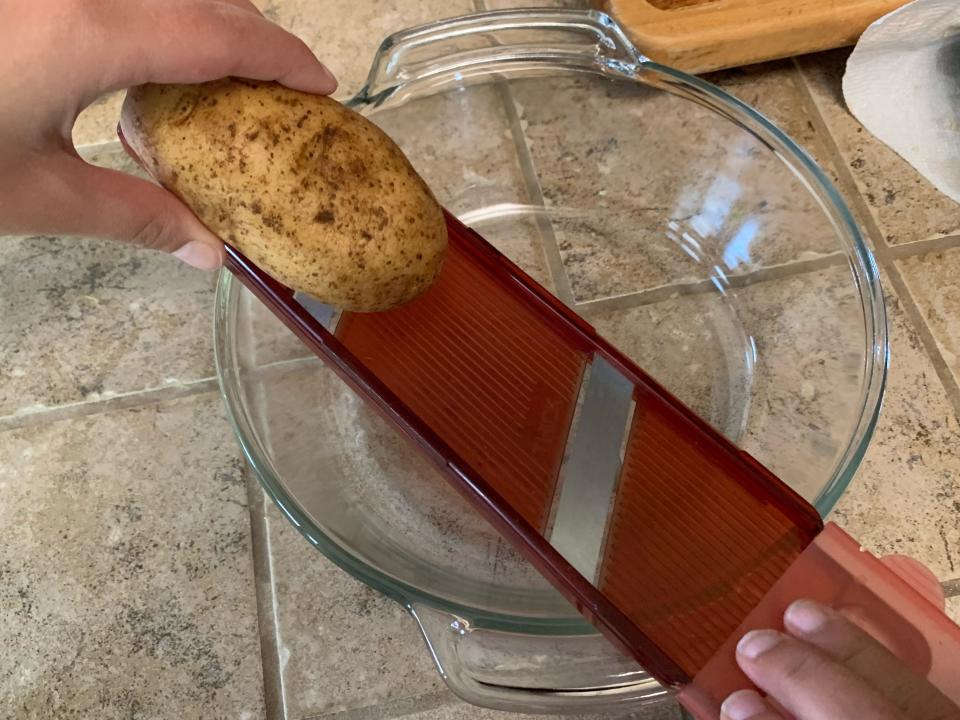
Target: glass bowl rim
860,257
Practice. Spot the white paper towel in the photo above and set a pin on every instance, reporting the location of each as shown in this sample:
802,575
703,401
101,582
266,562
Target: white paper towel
903,84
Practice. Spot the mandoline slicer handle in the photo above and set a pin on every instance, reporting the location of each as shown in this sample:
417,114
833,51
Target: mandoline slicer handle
836,571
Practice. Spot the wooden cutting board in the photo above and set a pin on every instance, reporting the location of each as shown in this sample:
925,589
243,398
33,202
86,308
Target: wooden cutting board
701,35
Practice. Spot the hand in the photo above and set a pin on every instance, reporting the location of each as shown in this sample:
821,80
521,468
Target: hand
826,668
60,55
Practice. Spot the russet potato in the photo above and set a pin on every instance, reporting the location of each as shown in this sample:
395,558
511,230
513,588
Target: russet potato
309,190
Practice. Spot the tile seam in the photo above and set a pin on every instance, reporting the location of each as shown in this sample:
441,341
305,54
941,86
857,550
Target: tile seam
882,252
932,348
391,709
87,149
531,181
755,277
264,595
138,398
121,401
951,588
924,247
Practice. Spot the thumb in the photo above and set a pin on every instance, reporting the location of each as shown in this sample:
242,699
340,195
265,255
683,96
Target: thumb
111,204
807,682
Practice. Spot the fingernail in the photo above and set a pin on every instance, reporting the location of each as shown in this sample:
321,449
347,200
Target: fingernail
742,705
805,616
200,255
325,71
756,642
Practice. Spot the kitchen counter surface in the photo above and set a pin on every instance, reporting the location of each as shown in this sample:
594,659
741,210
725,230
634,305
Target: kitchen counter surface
142,572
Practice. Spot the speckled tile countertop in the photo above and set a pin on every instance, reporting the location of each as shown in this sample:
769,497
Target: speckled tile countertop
144,575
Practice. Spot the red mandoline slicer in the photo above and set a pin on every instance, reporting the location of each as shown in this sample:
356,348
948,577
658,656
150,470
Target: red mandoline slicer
668,538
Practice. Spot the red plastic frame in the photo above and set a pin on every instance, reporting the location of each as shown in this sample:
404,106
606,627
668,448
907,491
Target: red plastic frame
585,597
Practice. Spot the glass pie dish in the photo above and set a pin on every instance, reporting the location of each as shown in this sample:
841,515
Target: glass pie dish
683,225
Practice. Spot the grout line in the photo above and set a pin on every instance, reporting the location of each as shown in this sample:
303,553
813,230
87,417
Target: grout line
271,637
951,588
923,247
273,696
885,256
913,313
549,247
666,292
845,178
392,709
90,149
279,367
851,189
41,414
558,274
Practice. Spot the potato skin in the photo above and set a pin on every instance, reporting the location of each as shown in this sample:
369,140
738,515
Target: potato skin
312,192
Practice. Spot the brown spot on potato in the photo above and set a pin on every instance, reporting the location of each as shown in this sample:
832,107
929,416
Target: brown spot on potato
185,107
273,221
324,216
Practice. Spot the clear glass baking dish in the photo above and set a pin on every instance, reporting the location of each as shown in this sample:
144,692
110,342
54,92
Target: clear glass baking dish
685,226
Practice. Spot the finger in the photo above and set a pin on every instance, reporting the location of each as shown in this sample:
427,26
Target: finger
919,577
80,199
747,705
200,40
842,640
808,683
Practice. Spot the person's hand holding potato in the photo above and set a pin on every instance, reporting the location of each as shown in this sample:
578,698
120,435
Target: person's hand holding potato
58,56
